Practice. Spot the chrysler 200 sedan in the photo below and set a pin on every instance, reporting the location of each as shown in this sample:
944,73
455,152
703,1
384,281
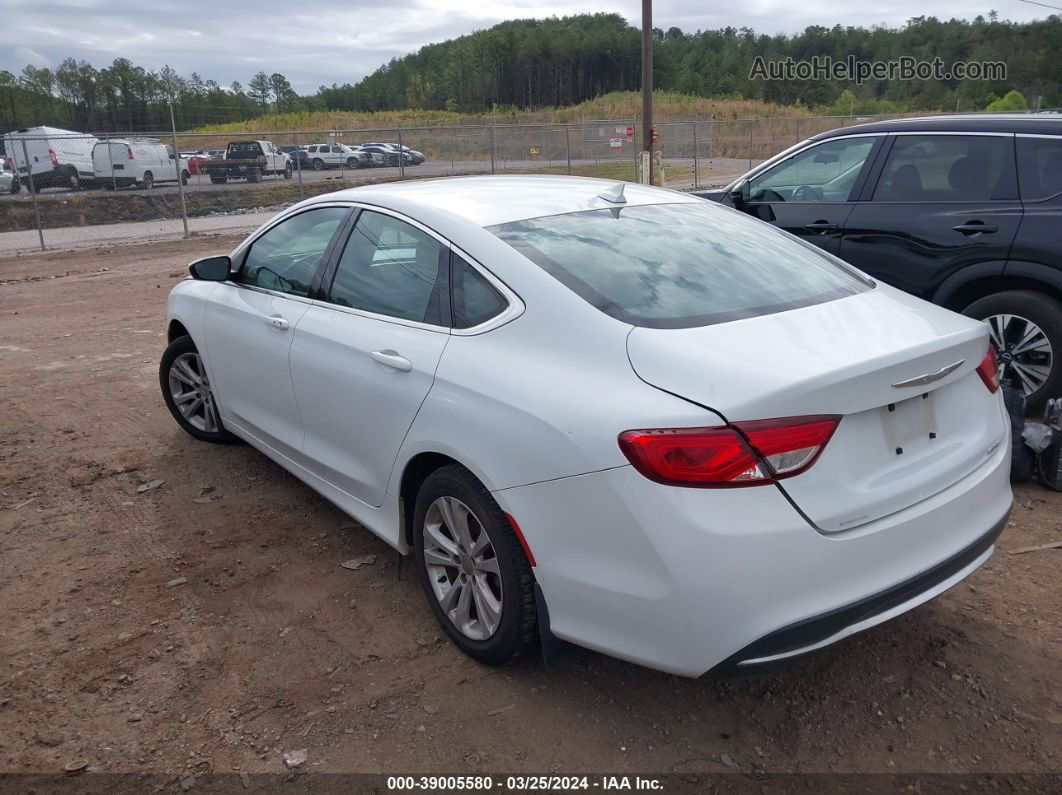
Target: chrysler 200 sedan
619,416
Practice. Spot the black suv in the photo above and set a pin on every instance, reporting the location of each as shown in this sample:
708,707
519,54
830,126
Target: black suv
964,211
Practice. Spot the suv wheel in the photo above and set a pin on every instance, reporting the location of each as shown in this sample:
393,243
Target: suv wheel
318,164
472,567
1026,330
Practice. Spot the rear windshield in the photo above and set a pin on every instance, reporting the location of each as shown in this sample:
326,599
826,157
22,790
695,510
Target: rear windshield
679,265
251,148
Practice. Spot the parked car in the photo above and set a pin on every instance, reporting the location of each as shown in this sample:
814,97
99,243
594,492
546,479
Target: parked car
391,155
143,162
963,211
334,156
372,157
712,449
9,182
249,160
298,157
57,157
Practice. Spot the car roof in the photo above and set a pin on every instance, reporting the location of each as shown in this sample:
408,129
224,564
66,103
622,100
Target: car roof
499,199
1033,123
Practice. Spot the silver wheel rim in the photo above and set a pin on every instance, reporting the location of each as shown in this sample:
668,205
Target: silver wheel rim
462,568
191,393
1025,352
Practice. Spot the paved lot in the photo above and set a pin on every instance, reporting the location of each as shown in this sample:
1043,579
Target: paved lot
206,624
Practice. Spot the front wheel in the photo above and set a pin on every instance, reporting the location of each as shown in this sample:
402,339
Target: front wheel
1026,330
287,171
473,568
16,185
188,394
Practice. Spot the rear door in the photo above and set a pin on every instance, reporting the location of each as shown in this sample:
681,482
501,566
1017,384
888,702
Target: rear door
364,357
939,203
811,193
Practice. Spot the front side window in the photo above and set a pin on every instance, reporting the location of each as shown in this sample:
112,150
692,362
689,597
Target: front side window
680,265
948,168
825,172
1039,167
286,257
391,268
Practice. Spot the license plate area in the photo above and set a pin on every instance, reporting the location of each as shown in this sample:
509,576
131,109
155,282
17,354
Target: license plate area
910,425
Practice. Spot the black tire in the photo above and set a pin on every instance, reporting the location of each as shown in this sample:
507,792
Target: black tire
254,175
517,629
149,180
1045,312
73,179
180,347
287,171
318,164
184,177
16,185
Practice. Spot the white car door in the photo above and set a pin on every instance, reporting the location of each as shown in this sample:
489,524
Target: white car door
364,359
250,321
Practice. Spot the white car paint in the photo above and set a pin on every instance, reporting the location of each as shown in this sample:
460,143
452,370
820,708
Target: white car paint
675,578
126,161
55,155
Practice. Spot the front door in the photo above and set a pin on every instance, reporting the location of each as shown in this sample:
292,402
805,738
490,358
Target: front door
364,358
811,193
941,203
250,321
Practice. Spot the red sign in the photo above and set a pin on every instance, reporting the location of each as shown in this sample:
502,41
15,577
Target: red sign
630,132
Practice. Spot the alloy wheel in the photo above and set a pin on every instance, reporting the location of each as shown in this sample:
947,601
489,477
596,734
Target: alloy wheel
462,568
1024,350
191,393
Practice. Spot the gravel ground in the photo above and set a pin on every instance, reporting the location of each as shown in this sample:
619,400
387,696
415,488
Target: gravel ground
205,624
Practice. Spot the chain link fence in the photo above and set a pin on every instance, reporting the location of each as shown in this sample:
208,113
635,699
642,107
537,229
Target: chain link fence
74,190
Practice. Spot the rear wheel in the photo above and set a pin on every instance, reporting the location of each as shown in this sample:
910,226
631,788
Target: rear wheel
472,567
73,179
1026,329
318,164
254,175
188,394
148,181
184,177
16,185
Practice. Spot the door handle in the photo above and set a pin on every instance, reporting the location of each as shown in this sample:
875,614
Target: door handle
391,359
821,227
975,228
276,321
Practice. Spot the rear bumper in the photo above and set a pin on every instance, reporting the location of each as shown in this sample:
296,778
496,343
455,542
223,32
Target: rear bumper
696,580
810,635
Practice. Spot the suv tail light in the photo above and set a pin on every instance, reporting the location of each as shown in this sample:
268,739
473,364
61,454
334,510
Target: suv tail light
988,369
55,160
743,454
129,149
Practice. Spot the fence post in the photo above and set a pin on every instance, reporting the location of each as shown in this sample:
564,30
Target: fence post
750,148
298,166
492,148
110,160
401,155
177,169
568,145
695,169
453,146
33,190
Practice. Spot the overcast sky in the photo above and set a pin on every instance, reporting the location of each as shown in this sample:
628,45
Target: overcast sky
339,41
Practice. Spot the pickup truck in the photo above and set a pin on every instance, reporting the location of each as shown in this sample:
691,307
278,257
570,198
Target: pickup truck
249,160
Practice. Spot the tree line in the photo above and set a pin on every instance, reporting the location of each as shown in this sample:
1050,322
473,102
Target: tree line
561,61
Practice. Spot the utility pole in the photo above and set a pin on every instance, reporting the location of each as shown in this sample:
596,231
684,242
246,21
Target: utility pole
647,91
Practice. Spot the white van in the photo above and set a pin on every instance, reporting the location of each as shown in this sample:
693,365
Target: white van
57,158
121,162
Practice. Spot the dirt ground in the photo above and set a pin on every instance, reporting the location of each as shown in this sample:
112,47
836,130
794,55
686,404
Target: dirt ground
206,624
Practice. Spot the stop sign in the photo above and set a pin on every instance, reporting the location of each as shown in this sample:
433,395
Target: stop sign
630,132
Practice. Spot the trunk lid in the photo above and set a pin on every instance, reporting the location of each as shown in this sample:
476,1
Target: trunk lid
895,445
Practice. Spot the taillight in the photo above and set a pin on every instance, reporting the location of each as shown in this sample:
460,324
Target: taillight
988,369
130,151
746,454
55,160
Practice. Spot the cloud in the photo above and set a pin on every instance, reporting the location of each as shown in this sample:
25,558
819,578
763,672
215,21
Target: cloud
317,44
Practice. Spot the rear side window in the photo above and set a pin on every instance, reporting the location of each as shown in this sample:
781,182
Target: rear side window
679,265
948,168
391,268
474,299
1039,167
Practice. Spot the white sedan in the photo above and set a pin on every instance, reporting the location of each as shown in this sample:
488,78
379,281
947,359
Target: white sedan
626,418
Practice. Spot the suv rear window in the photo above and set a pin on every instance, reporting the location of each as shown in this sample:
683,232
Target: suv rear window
1040,167
680,265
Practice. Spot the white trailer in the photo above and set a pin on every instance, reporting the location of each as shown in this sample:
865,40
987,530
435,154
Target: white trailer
144,162
56,157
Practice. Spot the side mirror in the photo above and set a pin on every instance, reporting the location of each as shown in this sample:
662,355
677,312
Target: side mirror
741,194
211,269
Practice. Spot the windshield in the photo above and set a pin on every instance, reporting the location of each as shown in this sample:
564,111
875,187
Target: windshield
680,265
